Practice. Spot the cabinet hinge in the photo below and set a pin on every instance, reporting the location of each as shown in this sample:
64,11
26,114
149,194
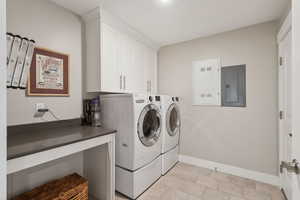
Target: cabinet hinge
281,114
291,167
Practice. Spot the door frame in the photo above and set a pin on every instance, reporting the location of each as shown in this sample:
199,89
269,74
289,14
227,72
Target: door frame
285,29
3,107
294,22
295,93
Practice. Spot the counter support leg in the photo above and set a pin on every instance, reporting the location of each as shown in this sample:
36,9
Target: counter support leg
111,170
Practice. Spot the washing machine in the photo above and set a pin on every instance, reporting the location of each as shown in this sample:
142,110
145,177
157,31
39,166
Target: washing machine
137,119
170,132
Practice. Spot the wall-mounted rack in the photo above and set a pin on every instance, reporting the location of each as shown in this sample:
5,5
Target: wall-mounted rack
19,57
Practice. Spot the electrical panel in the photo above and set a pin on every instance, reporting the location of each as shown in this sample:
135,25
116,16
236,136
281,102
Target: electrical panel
234,86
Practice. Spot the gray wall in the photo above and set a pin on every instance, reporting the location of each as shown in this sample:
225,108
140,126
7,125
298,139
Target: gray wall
242,137
54,28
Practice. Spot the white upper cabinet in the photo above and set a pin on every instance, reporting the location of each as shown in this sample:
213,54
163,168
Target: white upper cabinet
117,62
132,70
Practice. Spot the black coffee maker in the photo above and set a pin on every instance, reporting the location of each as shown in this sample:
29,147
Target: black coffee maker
87,114
91,112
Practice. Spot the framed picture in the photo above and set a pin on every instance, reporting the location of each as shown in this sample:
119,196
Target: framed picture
49,74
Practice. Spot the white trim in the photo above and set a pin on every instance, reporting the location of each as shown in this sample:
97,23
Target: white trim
93,14
25,162
295,153
3,119
285,28
111,178
245,173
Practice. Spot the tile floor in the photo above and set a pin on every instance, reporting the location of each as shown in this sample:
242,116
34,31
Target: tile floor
186,182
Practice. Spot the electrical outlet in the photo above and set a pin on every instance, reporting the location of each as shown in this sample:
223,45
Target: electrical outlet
40,106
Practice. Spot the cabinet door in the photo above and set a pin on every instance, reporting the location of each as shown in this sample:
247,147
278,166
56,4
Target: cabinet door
110,72
153,64
134,73
207,82
93,73
125,63
150,70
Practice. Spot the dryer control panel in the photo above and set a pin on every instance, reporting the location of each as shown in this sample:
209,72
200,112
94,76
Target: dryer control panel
175,99
157,98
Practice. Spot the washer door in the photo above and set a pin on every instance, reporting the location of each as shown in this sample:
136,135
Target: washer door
173,120
149,125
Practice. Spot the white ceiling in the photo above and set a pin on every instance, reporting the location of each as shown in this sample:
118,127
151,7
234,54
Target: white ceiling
171,21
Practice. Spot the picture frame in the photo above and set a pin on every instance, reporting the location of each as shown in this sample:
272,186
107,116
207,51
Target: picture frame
49,74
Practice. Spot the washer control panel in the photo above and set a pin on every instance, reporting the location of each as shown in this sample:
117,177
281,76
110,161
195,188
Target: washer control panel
150,98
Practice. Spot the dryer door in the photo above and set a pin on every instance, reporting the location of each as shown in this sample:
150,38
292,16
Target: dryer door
149,125
173,120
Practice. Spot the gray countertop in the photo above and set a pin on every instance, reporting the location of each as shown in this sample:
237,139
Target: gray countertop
28,139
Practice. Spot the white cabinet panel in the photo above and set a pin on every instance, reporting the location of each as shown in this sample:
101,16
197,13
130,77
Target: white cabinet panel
129,64
207,82
137,72
93,72
110,72
125,62
150,70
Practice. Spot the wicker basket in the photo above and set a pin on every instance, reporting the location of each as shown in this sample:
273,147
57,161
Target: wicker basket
72,187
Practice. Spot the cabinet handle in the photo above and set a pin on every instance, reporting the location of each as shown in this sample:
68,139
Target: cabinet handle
120,82
150,86
124,82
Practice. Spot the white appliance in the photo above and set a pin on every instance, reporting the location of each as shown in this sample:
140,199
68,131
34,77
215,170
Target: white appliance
137,118
170,131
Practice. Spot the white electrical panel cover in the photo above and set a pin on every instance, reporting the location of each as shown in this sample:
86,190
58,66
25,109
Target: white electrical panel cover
207,82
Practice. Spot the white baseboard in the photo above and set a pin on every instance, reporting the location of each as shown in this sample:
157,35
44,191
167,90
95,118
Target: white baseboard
245,173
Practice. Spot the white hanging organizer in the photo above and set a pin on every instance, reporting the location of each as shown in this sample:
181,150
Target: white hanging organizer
19,56
207,82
